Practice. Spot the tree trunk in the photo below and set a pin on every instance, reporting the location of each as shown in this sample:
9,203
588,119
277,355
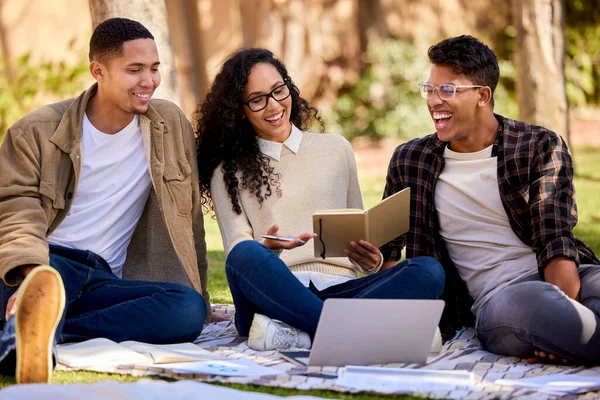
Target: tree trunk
187,43
5,52
540,53
371,23
153,15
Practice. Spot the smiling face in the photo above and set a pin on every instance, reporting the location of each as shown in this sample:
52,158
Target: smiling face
127,82
457,119
273,122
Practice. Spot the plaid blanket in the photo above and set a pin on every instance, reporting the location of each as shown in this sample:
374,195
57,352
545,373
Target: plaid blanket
464,352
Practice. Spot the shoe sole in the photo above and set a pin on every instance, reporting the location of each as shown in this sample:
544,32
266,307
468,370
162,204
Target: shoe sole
39,308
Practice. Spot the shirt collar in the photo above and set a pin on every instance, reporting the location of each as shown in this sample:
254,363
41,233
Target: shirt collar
273,149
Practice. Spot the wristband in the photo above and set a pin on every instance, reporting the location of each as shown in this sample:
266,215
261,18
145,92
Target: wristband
372,270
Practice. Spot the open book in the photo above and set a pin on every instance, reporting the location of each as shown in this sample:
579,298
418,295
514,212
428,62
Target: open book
103,352
378,225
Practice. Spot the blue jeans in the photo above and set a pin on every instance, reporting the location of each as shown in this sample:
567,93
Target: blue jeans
98,304
261,283
532,314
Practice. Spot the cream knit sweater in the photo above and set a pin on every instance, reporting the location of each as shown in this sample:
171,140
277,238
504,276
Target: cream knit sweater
321,175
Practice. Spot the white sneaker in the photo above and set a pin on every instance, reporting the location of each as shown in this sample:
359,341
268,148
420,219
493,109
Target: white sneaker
267,334
436,345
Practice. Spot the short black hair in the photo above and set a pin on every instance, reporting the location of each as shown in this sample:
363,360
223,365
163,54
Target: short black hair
468,56
109,36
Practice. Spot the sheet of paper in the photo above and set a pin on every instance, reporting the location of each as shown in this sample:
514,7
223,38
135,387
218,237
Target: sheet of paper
556,383
239,367
394,380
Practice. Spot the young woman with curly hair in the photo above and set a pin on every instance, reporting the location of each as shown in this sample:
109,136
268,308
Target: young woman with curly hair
263,173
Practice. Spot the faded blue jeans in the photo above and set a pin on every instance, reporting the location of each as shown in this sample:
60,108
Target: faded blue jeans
531,314
261,283
98,304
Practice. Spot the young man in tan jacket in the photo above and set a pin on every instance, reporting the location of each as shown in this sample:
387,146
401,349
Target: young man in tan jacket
94,193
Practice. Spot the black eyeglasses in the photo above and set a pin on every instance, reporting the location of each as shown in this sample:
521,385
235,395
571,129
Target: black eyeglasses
258,103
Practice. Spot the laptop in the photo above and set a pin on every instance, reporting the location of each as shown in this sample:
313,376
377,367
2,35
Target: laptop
372,331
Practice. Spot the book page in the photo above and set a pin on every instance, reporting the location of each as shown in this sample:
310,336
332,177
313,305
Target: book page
389,219
171,353
97,353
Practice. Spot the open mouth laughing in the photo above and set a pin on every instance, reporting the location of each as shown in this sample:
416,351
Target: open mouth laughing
275,119
441,119
144,97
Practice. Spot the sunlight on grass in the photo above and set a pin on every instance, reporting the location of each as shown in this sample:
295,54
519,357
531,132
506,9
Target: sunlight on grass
587,187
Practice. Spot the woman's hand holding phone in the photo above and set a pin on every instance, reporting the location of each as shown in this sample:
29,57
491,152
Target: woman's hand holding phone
274,242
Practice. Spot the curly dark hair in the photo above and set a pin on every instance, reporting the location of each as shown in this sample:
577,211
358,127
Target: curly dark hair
224,136
468,56
109,36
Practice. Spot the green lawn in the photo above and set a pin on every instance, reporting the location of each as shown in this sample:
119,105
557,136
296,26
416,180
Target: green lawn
587,184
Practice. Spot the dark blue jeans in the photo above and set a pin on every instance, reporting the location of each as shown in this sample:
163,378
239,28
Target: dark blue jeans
261,283
98,304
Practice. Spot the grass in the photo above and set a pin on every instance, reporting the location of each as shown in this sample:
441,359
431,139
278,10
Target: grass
587,184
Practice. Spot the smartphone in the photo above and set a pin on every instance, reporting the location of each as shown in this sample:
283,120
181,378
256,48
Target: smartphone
280,238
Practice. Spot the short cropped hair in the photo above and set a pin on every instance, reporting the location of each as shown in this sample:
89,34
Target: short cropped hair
468,56
109,36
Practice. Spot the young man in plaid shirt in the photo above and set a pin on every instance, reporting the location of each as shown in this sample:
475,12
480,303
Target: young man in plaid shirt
493,199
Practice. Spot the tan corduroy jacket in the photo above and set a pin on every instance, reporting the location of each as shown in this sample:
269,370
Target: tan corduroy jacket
40,162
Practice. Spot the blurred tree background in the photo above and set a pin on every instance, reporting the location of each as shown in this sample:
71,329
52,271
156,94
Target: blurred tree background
358,60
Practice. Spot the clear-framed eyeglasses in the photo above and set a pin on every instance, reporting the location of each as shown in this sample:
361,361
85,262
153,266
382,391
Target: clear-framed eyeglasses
446,91
258,103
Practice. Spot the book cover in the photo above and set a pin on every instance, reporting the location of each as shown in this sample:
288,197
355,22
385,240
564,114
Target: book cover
378,225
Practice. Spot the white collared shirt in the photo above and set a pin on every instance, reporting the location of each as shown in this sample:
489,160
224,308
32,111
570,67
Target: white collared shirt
273,149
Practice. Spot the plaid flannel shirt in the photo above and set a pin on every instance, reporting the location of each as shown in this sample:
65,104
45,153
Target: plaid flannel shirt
535,179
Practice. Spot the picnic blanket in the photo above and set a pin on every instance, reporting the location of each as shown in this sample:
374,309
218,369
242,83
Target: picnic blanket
464,352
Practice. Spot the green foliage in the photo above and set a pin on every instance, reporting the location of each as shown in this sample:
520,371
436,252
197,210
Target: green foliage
505,95
582,65
385,102
582,61
25,85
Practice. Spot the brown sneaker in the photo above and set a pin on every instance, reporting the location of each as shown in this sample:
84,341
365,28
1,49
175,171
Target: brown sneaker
39,308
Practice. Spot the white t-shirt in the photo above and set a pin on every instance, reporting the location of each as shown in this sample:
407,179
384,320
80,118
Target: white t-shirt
487,253
111,194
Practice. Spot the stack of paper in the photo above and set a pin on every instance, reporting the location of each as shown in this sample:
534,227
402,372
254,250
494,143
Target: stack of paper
395,380
559,384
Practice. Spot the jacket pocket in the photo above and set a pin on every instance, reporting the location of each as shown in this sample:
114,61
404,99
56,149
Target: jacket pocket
53,202
179,185
51,197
